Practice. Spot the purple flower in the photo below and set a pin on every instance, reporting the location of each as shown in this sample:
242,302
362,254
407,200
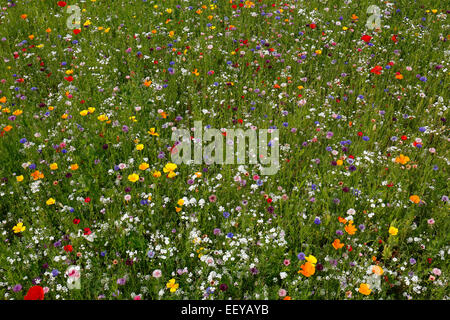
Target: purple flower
17,288
254,271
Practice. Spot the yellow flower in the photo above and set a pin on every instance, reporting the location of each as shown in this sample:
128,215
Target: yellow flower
393,231
83,113
377,270
157,174
311,259
170,167
54,166
133,177
171,34
50,201
140,147
152,131
339,162
318,52
364,289
180,202
143,166
172,285
171,174
19,227
250,4
19,178
102,117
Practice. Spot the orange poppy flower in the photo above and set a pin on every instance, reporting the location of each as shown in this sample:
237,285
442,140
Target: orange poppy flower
414,199
337,244
307,269
37,175
342,220
350,228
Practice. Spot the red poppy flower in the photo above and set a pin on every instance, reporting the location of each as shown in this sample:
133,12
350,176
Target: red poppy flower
87,231
69,78
87,200
376,69
76,31
403,138
394,38
68,248
312,25
62,4
35,293
76,221
366,38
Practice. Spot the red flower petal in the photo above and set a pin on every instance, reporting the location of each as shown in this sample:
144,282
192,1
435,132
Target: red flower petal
35,293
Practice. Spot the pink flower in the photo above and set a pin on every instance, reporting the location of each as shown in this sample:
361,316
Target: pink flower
282,293
286,262
157,273
437,271
138,297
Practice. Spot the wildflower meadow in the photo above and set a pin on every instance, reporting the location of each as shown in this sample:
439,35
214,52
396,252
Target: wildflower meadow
215,150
